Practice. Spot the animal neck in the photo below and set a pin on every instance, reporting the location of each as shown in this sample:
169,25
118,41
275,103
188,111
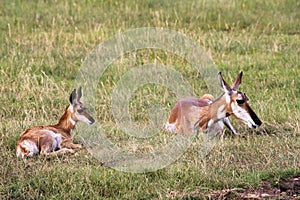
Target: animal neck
66,121
218,110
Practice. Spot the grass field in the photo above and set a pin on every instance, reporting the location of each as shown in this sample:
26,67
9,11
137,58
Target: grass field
44,43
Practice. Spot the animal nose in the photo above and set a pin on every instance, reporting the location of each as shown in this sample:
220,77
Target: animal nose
259,123
254,126
91,120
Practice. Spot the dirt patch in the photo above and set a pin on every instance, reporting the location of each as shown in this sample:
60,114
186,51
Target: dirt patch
286,189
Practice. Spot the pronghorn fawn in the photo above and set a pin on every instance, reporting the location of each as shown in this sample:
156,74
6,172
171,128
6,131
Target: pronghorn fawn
55,139
205,114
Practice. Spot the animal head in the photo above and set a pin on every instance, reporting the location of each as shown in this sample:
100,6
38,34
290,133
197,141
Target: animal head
78,109
237,102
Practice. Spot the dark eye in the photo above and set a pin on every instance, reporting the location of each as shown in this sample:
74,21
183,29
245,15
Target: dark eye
80,110
240,101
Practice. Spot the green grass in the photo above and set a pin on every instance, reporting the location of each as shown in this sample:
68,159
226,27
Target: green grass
43,44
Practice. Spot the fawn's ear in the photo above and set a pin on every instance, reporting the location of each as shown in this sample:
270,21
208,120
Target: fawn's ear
237,82
79,94
226,88
73,97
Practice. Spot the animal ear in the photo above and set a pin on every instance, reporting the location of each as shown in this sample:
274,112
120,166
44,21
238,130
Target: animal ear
73,97
237,82
79,93
223,84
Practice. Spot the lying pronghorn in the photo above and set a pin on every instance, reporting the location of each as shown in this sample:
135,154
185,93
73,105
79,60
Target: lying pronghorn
194,114
205,100
55,139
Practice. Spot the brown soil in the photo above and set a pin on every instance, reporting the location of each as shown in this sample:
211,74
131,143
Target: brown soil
285,189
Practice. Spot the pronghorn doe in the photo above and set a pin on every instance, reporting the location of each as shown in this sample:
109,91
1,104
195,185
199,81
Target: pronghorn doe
55,139
203,114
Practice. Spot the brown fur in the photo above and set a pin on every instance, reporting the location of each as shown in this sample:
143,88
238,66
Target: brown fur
190,114
54,139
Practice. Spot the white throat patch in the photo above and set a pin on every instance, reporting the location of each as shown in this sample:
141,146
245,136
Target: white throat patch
72,121
71,108
221,114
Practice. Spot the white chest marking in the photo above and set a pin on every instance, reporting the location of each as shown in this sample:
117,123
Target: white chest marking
72,121
221,114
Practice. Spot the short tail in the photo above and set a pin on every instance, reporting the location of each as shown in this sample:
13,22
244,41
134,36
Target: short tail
19,151
170,126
